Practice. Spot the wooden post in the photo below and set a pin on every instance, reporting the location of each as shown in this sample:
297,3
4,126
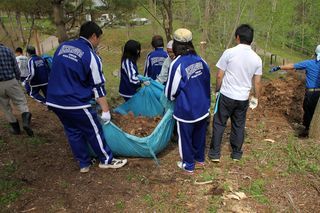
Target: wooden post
314,131
37,42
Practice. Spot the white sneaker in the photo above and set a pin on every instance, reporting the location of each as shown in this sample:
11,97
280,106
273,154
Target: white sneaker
85,169
182,166
216,160
115,164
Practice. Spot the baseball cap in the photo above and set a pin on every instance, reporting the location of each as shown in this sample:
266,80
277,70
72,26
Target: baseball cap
317,51
169,45
182,35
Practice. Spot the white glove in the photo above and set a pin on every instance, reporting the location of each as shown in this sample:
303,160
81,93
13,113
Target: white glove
253,103
147,83
106,117
23,83
217,94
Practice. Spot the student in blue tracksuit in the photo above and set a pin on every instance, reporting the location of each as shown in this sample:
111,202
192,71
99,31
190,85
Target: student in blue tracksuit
189,85
312,92
38,75
75,77
155,58
129,82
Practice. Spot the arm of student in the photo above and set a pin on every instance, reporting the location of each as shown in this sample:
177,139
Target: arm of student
219,78
257,85
287,67
102,101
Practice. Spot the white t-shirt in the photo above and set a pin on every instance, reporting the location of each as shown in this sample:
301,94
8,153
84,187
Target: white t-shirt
239,64
23,65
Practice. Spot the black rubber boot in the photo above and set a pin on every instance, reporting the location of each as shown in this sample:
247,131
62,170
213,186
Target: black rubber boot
26,119
15,128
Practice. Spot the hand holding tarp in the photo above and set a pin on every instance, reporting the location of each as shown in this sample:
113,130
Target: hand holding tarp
106,117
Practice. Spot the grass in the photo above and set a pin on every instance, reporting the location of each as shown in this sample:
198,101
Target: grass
257,189
303,158
120,205
10,188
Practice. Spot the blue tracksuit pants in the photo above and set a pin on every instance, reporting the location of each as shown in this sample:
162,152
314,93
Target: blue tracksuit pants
192,142
35,93
82,127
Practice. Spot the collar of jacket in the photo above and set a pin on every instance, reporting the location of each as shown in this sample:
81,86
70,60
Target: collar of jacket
87,41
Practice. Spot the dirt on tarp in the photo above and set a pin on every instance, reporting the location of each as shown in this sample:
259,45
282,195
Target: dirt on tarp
140,126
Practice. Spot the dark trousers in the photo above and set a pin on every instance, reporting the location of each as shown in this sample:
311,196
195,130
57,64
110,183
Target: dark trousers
35,93
309,105
82,127
236,110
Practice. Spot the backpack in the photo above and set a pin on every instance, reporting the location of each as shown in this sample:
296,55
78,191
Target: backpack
48,59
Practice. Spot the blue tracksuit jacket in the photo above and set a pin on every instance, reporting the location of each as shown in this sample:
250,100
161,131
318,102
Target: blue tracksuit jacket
189,85
154,63
129,82
38,71
76,76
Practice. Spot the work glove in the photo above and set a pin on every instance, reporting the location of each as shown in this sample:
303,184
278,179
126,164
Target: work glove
106,117
274,69
146,83
253,103
217,94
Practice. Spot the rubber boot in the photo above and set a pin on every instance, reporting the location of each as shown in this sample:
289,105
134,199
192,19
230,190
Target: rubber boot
26,119
15,128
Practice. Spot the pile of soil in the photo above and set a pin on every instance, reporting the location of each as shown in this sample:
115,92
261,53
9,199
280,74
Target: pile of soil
284,96
140,126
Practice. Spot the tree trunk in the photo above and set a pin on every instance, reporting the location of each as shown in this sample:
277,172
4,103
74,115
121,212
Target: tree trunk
58,20
3,27
153,8
274,6
205,29
314,131
21,36
167,18
39,52
13,29
31,29
236,23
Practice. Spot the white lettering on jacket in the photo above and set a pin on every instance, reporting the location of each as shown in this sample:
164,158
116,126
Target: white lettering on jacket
193,68
67,49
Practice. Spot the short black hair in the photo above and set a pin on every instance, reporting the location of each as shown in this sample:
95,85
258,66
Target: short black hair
89,28
31,50
157,41
131,50
19,50
245,33
183,48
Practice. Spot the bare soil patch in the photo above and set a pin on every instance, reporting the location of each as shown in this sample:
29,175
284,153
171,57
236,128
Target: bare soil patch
48,177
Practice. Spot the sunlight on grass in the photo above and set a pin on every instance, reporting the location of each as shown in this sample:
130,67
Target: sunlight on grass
303,157
257,189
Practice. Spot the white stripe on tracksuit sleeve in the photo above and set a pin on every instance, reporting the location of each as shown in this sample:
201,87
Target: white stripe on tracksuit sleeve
131,72
30,69
174,83
146,66
97,76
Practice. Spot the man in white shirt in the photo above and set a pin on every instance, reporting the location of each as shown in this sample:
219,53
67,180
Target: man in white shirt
239,68
22,61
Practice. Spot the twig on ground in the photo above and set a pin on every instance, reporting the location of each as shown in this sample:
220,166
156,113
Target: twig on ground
295,209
